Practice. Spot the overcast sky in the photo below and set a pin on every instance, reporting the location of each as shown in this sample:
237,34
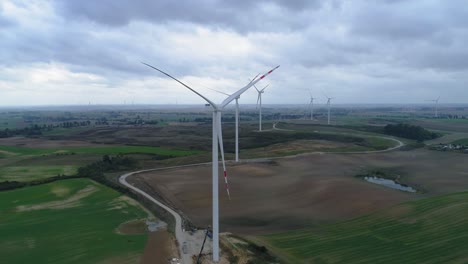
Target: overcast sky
369,51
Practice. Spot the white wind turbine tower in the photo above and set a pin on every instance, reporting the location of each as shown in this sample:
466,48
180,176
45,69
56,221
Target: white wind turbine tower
217,139
259,100
436,110
328,106
311,106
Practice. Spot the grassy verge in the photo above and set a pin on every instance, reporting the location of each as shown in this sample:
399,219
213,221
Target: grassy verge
433,230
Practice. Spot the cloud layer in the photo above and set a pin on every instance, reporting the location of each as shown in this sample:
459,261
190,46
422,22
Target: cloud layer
364,51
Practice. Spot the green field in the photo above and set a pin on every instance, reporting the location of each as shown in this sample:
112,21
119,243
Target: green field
13,150
432,230
25,164
29,173
463,141
68,221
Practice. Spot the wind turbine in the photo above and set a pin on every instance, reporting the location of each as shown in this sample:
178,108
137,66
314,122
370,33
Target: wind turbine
237,121
259,99
436,110
311,106
217,139
328,106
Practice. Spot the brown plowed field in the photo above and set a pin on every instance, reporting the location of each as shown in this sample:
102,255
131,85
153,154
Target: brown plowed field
159,248
43,143
296,192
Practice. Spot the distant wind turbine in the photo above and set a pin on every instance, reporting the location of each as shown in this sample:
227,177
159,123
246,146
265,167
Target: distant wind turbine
217,139
311,106
328,106
436,106
237,121
259,102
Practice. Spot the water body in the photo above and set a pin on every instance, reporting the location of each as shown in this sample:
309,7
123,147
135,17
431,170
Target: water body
389,183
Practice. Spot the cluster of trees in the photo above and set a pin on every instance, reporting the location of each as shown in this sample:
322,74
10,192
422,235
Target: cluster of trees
10,185
203,119
101,121
27,131
409,131
455,116
138,120
182,120
108,163
75,124
37,129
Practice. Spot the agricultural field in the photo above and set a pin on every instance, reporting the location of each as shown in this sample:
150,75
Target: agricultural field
25,159
463,141
30,173
73,221
432,230
99,150
308,189
271,196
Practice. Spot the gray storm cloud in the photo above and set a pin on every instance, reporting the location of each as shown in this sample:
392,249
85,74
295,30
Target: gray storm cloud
349,48
243,16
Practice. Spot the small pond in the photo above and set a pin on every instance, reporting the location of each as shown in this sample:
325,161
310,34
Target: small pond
389,183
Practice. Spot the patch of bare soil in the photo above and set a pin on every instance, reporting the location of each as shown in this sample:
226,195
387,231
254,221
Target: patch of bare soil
72,201
7,153
60,191
123,201
129,258
43,143
159,248
133,227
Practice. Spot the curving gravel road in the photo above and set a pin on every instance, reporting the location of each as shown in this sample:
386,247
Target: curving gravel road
179,234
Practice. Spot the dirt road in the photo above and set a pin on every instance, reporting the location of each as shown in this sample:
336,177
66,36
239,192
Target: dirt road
185,258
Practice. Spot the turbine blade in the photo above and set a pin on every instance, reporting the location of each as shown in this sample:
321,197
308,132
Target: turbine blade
265,87
258,98
191,89
219,92
256,88
242,90
255,77
221,148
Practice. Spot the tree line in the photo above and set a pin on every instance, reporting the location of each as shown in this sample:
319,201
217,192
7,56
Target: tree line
409,131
